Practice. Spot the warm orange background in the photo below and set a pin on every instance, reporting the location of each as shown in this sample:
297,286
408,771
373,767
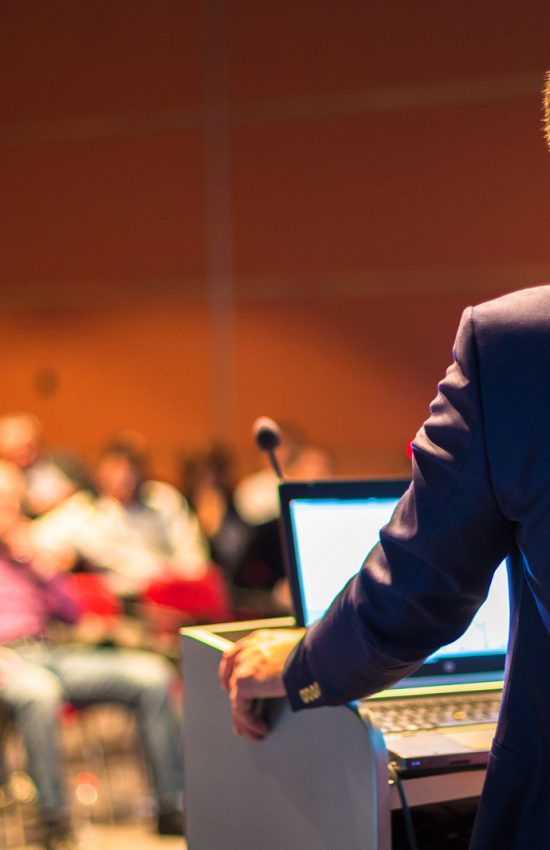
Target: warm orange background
215,210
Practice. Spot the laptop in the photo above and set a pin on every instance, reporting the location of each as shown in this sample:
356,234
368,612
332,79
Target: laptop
444,715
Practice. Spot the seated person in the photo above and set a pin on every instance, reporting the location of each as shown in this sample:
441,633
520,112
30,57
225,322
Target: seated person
207,484
37,677
50,477
262,574
133,529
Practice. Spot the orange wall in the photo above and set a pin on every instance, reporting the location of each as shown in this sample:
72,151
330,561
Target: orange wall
215,210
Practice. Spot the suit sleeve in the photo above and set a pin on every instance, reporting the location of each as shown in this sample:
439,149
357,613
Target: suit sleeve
421,586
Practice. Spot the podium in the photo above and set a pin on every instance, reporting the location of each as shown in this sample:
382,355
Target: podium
318,781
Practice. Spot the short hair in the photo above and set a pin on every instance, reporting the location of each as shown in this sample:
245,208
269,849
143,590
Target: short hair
137,459
20,417
546,120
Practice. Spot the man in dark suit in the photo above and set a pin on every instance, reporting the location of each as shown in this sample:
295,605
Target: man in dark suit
480,490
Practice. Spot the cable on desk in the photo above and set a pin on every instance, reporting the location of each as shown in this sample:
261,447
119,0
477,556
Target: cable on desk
395,779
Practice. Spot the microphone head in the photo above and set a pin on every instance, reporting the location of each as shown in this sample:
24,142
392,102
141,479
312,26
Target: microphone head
267,434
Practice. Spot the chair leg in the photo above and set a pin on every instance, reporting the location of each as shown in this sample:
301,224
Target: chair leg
18,810
107,776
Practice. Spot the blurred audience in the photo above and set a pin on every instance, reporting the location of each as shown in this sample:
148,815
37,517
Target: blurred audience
147,540
256,495
136,539
139,529
133,529
208,486
263,572
50,477
37,677
133,542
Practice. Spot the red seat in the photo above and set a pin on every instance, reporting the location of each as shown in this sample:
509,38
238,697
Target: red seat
92,594
203,600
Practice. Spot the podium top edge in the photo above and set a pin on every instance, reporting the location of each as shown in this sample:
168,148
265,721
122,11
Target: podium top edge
215,634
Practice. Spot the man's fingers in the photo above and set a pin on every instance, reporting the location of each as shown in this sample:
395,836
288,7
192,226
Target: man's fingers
251,669
230,657
245,721
226,666
252,731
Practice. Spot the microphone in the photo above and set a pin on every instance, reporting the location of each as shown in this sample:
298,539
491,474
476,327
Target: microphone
267,435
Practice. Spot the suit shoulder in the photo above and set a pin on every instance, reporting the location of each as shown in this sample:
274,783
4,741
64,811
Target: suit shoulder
524,311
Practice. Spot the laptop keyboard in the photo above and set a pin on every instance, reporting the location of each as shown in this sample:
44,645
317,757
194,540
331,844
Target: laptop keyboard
411,715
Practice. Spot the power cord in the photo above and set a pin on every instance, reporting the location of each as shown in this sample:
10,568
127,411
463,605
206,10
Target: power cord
395,779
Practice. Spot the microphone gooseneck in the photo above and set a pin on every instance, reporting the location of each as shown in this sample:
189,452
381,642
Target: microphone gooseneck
267,435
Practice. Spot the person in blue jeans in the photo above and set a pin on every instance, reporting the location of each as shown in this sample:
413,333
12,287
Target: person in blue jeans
37,677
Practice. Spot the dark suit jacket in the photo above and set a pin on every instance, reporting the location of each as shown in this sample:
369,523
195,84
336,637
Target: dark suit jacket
481,489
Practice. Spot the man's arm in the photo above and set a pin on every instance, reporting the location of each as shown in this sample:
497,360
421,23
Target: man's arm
421,586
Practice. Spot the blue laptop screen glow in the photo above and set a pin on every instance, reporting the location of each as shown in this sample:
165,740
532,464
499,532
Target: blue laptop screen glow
331,539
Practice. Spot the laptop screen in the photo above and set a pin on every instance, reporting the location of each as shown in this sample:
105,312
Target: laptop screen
329,529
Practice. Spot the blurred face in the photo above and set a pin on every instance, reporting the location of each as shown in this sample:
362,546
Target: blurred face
19,440
312,464
117,479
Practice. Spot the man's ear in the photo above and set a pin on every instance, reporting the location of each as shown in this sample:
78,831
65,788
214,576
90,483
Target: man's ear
546,120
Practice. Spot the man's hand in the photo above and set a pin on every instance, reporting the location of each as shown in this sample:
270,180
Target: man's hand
253,669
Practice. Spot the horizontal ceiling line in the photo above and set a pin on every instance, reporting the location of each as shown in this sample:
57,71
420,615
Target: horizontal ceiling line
306,107
368,283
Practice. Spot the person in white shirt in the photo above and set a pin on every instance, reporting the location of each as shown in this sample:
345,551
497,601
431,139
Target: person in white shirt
133,530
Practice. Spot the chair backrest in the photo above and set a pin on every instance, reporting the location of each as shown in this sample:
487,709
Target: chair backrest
204,600
92,595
